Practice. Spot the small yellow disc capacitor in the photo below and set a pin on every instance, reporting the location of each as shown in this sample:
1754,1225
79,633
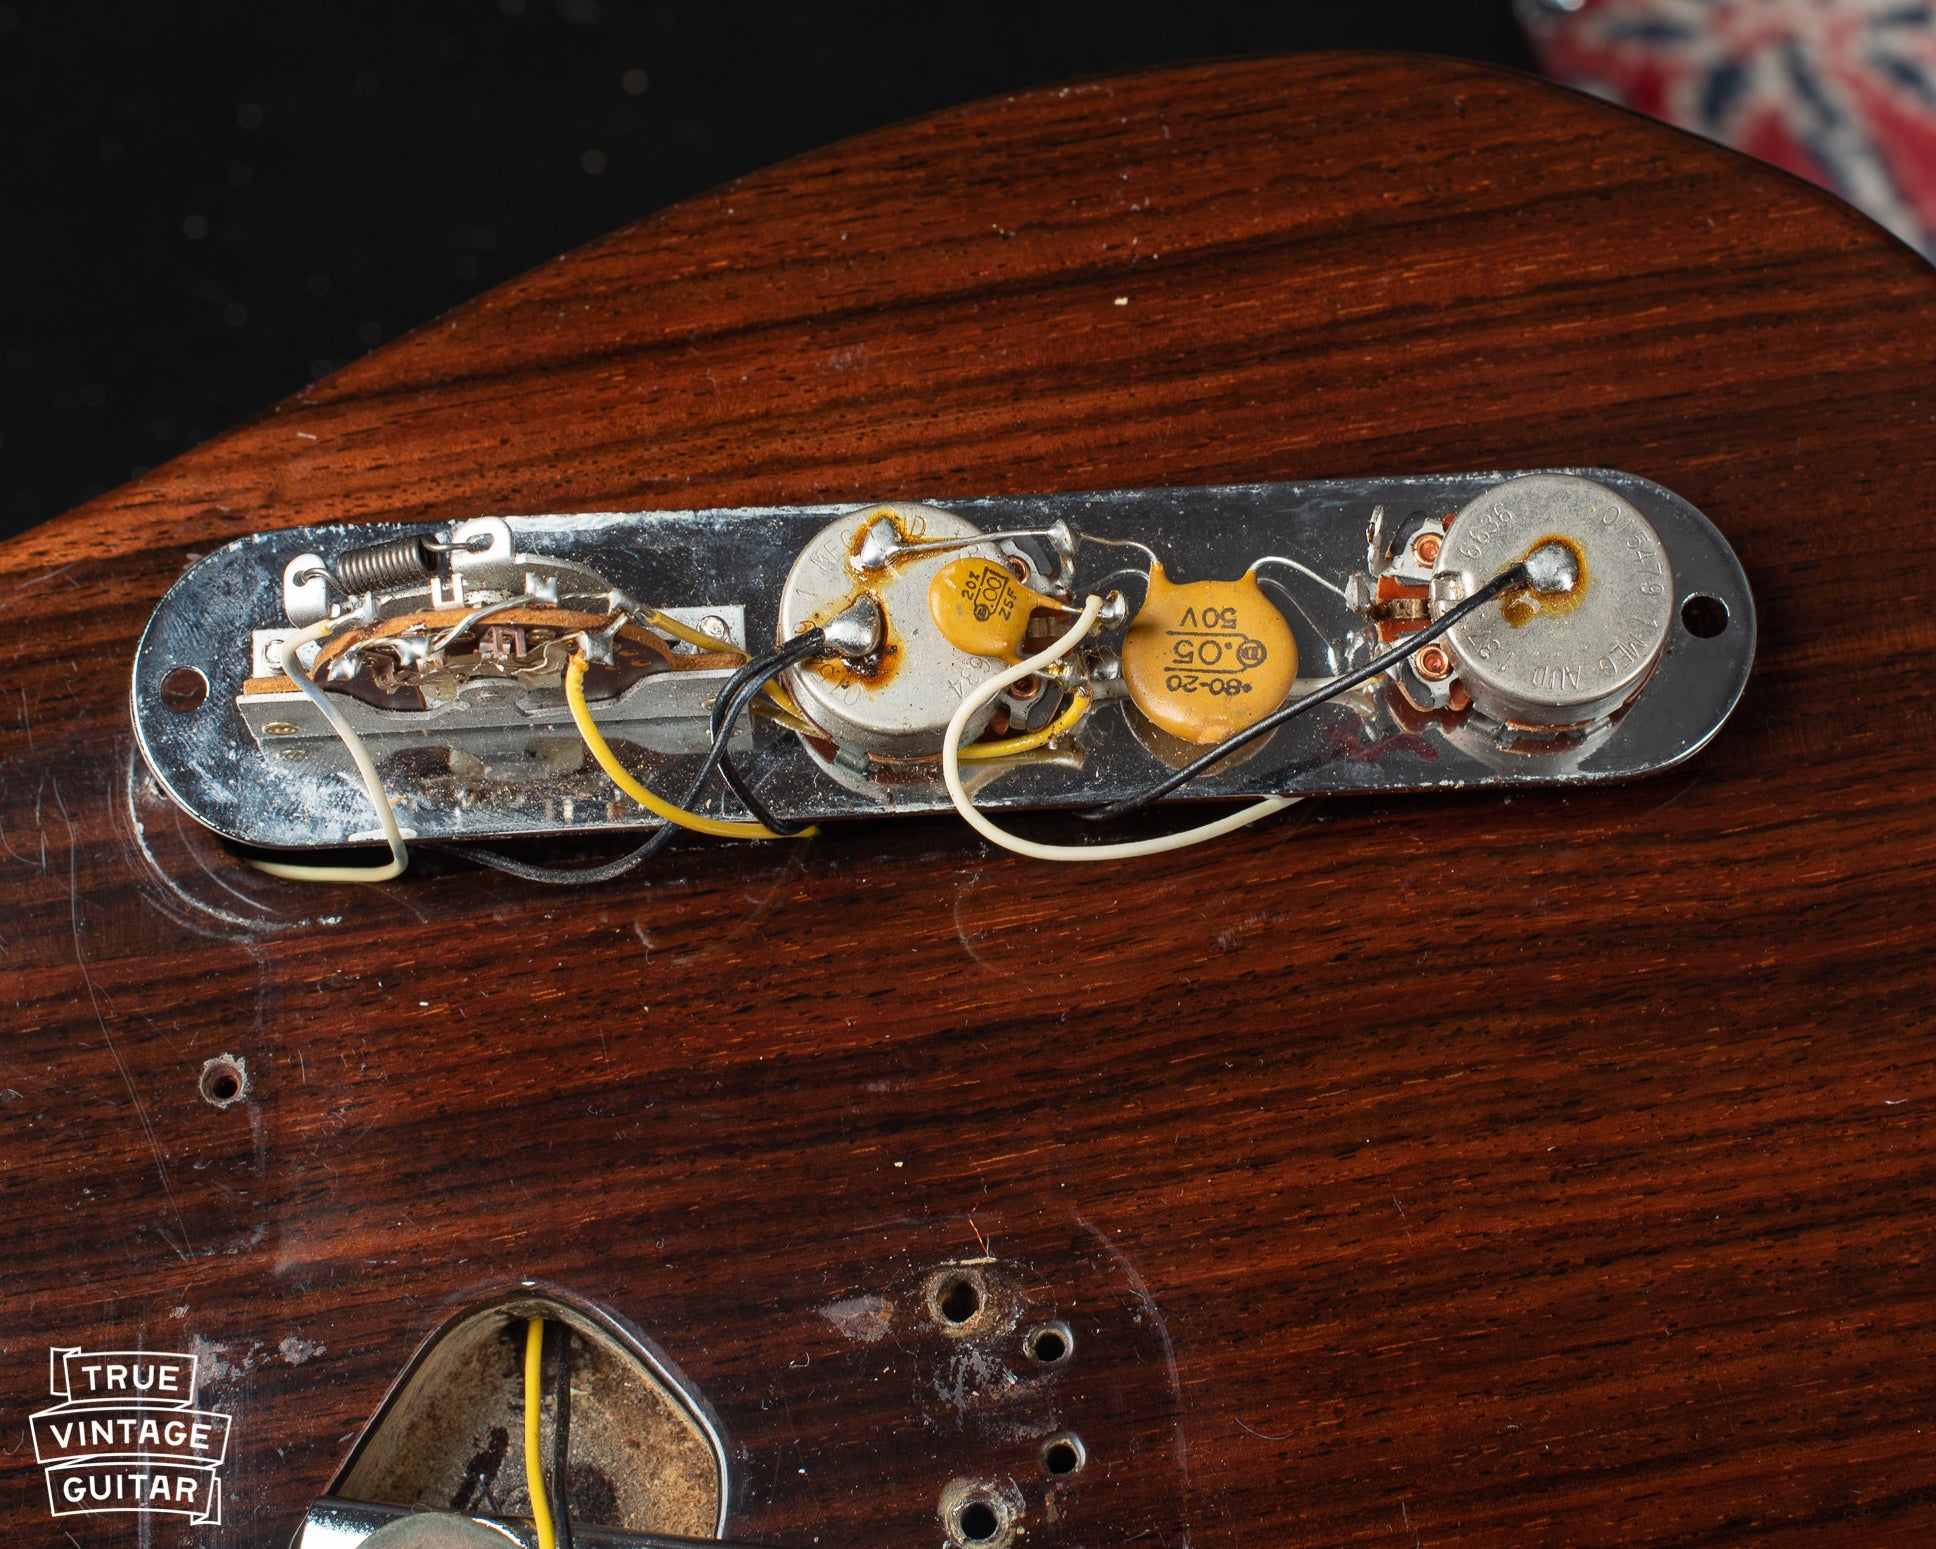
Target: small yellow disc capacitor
1205,660
981,609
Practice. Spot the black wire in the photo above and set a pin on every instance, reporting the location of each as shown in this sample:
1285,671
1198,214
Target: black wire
756,809
561,1435
739,692
1506,581
568,876
725,716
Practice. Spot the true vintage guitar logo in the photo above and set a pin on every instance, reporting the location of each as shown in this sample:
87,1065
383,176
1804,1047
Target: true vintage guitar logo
129,1437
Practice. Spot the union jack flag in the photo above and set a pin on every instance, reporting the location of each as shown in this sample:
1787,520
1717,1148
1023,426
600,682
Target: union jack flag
1842,92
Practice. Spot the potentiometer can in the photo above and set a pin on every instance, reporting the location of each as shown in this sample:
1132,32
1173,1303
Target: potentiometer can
898,704
1556,661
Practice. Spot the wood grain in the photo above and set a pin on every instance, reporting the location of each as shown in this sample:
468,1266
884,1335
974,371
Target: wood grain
1549,1169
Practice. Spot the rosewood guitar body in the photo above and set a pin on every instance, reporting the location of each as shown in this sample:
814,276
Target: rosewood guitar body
1491,1168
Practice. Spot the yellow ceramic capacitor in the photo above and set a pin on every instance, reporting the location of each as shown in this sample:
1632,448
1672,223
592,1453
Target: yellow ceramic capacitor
1207,659
982,609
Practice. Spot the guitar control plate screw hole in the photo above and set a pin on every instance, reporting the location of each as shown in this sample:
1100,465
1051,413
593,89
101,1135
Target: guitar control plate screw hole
183,689
225,1081
958,1299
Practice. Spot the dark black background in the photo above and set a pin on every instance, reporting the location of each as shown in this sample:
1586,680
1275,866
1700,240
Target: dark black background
203,207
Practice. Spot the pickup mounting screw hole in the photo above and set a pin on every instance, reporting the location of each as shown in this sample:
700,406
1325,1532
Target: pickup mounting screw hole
1064,1455
959,1299
1049,1344
225,1080
183,689
977,1522
1704,616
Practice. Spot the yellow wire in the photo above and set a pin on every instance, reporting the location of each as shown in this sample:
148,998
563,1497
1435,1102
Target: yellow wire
685,632
671,626
797,723
533,1459
601,750
1029,741
776,692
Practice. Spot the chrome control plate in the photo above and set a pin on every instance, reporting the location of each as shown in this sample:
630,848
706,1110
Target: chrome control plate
735,563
